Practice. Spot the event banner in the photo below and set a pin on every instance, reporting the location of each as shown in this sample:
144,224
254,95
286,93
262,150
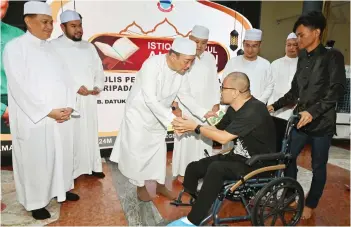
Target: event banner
126,33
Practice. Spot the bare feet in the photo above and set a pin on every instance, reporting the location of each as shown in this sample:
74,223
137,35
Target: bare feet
307,213
162,190
143,195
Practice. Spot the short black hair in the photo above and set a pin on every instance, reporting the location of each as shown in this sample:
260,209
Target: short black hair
312,20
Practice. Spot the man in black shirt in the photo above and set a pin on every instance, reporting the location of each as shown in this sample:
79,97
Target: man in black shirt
318,83
248,124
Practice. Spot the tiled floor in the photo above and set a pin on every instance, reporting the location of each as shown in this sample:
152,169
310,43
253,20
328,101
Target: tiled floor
99,203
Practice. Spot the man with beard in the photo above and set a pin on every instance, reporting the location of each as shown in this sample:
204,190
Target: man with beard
283,71
84,64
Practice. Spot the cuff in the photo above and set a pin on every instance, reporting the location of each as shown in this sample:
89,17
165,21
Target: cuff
201,114
41,115
170,117
313,110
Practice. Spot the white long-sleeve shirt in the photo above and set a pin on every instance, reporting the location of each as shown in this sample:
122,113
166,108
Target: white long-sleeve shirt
258,71
283,71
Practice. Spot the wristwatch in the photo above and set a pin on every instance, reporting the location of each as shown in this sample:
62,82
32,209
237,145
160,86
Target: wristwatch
197,129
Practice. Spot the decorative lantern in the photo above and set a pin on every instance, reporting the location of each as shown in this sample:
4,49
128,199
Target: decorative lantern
240,52
234,35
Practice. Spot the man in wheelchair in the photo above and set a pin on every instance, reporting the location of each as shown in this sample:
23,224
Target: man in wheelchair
249,124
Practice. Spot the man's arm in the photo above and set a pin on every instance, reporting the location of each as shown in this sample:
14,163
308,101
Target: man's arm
269,86
337,84
290,98
148,75
99,75
31,104
215,134
188,100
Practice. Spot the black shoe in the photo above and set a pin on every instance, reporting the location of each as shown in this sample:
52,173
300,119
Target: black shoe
98,174
71,196
41,214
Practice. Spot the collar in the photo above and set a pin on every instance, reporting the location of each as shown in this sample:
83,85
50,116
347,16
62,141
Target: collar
66,39
320,49
29,36
290,59
202,55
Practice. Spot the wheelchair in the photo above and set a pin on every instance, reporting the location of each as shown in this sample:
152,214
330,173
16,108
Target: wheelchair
265,193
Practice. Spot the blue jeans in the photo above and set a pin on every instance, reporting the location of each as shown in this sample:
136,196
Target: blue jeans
319,153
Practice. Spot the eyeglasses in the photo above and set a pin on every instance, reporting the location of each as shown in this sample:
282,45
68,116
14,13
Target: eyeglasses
228,88
231,88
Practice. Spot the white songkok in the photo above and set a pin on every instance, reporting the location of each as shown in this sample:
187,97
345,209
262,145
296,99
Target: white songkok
184,46
200,32
36,7
291,36
69,15
253,35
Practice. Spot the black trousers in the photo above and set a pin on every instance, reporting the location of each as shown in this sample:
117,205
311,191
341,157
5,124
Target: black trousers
214,171
320,151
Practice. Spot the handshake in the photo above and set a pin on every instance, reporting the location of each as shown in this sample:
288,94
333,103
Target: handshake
181,125
61,115
85,92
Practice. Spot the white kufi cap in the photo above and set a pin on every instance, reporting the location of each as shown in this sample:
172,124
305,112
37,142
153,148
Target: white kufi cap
36,7
69,15
184,46
292,36
253,35
200,32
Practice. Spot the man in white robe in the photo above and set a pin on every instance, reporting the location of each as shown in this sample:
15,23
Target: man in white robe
205,88
140,148
283,71
254,66
85,66
41,101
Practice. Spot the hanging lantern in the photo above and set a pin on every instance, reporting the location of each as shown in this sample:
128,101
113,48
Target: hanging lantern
240,52
234,35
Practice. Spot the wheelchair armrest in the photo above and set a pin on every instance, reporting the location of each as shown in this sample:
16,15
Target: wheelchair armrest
267,157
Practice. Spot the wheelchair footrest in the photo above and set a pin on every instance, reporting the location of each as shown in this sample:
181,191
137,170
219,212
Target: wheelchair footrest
180,203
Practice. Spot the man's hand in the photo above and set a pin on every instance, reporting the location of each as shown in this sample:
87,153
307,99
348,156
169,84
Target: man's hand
305,119
270,108
210,114
215,108
182,125
57,114
178,112
5,116
66,115
96,91
83,91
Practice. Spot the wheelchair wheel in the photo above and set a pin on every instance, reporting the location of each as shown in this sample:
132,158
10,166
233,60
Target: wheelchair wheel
280,202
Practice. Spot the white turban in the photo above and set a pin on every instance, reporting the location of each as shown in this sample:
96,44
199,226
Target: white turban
200,32
69,15
292,36
184,46
36,7
253,35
